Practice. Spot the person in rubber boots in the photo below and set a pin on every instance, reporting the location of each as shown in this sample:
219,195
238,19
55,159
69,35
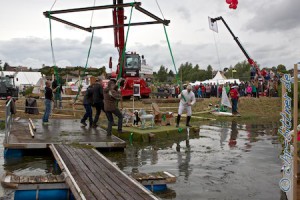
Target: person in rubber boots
187,99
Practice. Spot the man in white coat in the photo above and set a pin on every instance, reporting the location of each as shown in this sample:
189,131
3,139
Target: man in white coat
187,99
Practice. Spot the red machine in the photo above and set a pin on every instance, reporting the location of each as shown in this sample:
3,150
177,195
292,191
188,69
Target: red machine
131,66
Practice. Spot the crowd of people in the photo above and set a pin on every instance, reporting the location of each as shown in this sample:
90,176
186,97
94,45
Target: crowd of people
252,88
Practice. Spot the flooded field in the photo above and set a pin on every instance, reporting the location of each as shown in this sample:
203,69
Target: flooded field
224,161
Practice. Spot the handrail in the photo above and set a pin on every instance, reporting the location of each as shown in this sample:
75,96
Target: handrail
8,120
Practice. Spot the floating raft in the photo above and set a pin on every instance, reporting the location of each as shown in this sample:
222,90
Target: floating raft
13,181
155,181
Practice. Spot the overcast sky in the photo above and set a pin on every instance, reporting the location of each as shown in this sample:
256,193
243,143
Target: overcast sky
269,31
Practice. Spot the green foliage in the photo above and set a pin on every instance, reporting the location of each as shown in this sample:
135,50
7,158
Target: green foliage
242,71
73,71
2,124
28,91
6,65
281,68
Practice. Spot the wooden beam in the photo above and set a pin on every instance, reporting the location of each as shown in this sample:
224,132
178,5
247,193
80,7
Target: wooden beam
295,156
69,175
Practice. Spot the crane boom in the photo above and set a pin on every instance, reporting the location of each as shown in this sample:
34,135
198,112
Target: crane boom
250,60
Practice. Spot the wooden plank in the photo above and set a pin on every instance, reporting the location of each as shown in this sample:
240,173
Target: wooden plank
109,190
114,179
295,144
69,180
86,189
84,172
90,171
133,187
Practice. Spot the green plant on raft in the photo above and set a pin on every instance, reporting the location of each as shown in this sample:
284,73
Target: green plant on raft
2,125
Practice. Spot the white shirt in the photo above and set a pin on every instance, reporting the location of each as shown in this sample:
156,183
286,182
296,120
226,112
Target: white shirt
188,96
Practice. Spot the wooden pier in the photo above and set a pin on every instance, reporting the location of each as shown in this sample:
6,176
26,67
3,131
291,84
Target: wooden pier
60,131
92,176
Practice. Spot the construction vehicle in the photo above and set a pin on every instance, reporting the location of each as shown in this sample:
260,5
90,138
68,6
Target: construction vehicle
129,66
7,87
250,60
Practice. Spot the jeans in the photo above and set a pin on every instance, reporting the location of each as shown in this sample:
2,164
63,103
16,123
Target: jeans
99,106
88,114
111,120
234,105
47,110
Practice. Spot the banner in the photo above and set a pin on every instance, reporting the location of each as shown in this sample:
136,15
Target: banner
136,90
213,25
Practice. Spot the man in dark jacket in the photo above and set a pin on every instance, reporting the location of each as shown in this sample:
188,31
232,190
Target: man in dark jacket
111,96
98,100
87,103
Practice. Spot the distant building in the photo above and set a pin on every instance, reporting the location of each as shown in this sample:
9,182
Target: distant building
17,69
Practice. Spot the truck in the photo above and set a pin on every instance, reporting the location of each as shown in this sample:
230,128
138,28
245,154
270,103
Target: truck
8,87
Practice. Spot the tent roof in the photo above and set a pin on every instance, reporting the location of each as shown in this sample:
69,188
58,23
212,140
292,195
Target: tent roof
25,78
219,76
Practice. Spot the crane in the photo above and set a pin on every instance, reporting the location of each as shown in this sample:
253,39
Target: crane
250,60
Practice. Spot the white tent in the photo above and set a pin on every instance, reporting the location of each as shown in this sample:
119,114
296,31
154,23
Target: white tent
24,78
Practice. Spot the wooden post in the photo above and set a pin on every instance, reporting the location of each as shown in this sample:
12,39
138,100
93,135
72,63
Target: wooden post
295,156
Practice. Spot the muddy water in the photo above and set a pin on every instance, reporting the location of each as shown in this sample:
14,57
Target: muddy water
224,161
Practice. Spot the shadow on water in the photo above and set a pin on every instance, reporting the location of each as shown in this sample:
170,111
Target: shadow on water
224,160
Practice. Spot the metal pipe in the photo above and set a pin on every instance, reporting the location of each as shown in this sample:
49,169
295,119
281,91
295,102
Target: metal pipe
132,24
94,8
165,22
66,22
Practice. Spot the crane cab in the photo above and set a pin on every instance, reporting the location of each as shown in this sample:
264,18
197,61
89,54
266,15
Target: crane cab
132,65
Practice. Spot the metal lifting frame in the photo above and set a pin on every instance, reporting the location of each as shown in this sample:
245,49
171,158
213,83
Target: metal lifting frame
49,14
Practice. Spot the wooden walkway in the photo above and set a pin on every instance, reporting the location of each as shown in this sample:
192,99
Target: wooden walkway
60,131
92,176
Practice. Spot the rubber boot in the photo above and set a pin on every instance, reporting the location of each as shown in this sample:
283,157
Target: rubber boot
178,120
188,118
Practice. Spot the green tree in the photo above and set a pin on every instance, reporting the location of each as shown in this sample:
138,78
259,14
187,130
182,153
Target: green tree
281,68
6,65
162,74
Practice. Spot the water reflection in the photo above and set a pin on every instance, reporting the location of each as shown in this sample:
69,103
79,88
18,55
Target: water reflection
233,136
184,158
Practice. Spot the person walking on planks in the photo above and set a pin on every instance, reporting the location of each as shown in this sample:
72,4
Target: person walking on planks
187,99
48,100
87,103
98,100
111,96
